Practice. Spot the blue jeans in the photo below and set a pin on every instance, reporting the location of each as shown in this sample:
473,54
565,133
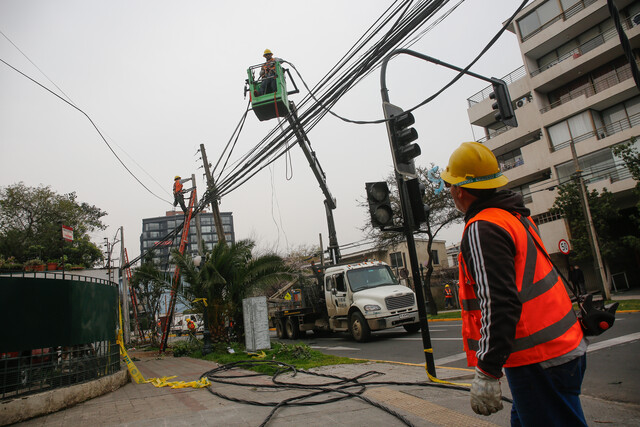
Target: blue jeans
547,397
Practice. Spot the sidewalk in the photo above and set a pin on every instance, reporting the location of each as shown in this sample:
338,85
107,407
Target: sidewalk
421,405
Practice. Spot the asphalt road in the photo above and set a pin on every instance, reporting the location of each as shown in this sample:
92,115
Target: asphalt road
613,365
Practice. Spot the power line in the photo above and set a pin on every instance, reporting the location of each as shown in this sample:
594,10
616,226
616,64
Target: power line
90,120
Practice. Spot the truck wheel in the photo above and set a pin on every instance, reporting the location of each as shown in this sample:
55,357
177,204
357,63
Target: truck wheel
280,333
412,328
293,329
359,327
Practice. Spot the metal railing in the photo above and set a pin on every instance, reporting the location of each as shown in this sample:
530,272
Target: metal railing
581,5
603,132
585,47
622,74
57,274
34,371
516,74
495,133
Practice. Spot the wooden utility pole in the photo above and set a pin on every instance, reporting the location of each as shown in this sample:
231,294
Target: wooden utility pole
198,229
211,185
125,293
591,229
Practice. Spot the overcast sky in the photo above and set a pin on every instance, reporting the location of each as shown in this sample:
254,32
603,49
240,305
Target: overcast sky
161,77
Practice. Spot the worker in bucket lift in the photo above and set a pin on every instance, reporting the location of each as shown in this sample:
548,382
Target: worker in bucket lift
516,313
268,74
178,196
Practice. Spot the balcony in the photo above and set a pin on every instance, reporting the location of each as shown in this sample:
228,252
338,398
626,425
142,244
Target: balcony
603,132
587,46
579,6
593,88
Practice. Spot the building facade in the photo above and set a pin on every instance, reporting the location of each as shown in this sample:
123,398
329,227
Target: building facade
398,257
574,97
155,229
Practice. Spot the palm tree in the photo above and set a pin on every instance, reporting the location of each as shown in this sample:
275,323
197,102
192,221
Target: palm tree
229,274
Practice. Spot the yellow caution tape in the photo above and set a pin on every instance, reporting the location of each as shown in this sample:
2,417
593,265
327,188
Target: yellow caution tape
204,300
260,355
436,380
158,382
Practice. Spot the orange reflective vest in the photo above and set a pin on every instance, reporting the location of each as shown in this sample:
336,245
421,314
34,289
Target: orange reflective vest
177,187
548,326
269,68
448,293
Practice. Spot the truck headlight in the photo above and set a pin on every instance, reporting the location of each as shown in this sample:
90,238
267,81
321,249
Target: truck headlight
372,307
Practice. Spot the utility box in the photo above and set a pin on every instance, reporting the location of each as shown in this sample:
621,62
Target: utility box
256,323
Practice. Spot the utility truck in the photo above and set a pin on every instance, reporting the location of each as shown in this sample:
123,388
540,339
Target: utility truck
359,298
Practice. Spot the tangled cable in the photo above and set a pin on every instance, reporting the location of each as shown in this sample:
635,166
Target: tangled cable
340,387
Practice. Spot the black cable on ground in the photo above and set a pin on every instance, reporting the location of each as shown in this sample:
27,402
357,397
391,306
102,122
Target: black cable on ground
336,385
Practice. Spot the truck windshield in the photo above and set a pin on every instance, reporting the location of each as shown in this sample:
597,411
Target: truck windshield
371,277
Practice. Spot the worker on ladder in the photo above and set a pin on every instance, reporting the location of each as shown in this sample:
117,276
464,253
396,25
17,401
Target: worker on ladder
178,193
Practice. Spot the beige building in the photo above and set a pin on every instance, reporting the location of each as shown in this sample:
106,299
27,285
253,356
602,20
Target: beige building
575,89
398,257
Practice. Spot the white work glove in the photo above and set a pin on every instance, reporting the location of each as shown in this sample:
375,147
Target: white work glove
486,395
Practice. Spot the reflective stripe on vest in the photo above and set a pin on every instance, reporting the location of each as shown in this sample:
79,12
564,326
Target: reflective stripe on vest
535,339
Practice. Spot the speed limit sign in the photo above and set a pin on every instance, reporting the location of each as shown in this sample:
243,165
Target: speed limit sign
563,245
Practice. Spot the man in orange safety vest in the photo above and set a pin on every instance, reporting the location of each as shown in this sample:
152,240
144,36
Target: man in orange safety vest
516,313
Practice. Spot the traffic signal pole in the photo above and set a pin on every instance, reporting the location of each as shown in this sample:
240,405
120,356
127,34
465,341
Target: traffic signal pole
403,153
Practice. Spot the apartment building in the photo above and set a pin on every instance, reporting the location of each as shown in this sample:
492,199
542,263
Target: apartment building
574,91
155,229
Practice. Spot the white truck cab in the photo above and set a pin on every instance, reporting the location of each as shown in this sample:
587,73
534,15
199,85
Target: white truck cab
366,296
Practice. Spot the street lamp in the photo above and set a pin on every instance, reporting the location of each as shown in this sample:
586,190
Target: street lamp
206,335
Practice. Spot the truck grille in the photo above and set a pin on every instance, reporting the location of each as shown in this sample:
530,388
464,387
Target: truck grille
398,302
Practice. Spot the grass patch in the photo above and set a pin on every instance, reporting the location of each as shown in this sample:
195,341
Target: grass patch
297,354
445,315
627,304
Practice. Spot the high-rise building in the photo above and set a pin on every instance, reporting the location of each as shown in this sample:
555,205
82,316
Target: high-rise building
154,231
575,96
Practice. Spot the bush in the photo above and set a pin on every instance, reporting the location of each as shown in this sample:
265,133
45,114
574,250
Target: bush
292,351
185,348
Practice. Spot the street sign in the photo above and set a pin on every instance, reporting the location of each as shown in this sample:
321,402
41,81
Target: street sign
67,233
563,245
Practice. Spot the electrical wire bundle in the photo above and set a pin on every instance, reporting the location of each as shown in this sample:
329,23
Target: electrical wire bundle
332,388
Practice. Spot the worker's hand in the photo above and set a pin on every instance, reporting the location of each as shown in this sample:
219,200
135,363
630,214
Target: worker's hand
486,394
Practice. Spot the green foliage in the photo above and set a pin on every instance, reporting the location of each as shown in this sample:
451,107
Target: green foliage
30,225
299,355
185,348
291,351
606,216
229,274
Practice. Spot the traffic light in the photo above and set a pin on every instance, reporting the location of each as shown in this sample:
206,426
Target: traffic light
379,204
419,210
401,136
500,94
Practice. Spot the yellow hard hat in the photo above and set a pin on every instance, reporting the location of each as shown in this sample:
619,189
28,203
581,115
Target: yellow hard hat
446,286
473,165
267,52
177,177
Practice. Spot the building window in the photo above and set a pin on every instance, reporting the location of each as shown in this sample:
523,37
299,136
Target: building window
596,166
576,129
546,217
542,16
435,258
396,260
510,160
524,191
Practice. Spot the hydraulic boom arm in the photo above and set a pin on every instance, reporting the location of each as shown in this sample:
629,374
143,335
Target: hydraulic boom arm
330,201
